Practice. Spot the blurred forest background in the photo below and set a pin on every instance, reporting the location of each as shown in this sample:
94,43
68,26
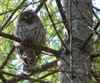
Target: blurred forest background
47,70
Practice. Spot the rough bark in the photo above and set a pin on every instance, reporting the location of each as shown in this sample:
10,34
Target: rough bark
76,67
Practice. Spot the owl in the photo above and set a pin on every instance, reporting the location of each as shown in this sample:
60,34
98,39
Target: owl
29,30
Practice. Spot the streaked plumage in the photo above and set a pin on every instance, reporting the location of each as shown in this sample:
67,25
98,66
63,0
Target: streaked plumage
31,31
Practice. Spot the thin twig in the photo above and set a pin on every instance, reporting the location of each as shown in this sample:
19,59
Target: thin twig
88,39
17,78
7,58
47,49
54,26
48,74
40,5
64,19
43,68
7,12
97,9
2,78
18,7
97,77
94,13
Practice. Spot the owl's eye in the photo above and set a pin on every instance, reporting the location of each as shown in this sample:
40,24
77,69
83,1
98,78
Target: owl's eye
30,16
25,17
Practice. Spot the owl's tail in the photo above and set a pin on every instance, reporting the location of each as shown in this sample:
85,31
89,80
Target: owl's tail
29,58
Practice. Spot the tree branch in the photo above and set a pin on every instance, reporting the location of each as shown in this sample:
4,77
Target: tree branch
6,22
43,68
7,12
64,19
54,26
97,9
40,5
88,39
97,77
7,58
48,74
50,50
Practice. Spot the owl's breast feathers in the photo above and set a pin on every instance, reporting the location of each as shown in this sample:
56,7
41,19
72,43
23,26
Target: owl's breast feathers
31,32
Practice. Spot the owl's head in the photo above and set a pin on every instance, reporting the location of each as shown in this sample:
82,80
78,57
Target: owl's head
27,16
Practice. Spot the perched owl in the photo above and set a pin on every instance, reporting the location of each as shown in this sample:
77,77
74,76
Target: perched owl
30,31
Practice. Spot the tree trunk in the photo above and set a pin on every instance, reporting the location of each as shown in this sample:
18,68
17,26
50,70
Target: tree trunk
76,66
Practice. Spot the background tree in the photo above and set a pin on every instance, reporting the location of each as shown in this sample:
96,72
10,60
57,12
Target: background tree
79,15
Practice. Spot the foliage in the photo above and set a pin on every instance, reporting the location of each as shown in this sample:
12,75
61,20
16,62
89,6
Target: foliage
6,9
53,41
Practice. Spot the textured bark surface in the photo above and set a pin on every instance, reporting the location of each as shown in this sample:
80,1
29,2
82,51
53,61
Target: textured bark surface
76,67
